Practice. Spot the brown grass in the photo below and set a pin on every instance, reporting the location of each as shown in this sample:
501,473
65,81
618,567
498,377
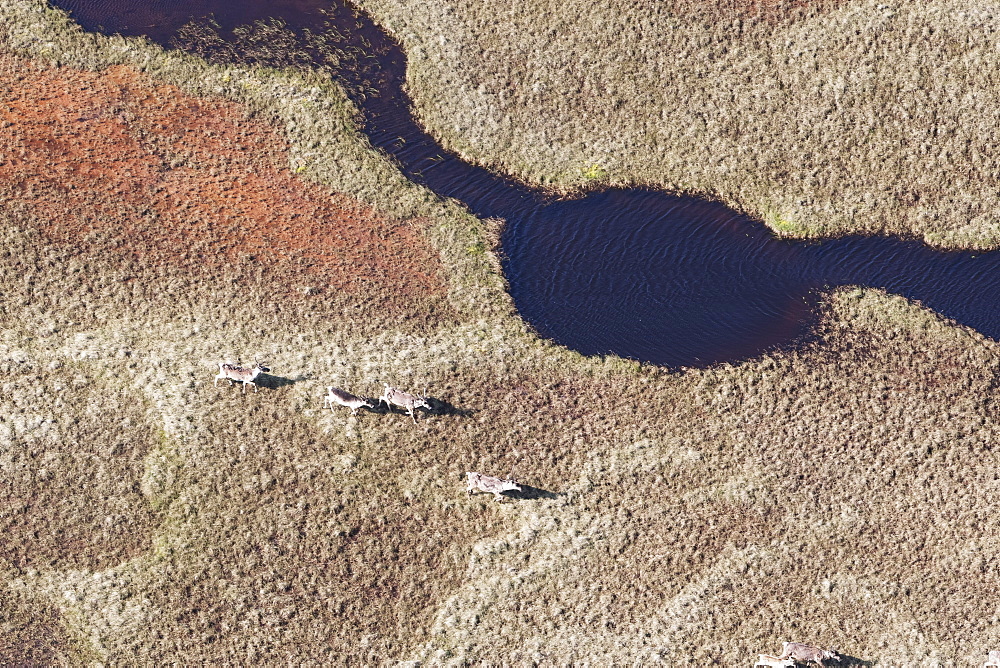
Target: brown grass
73,497
769,10
821,119
841,494
31,633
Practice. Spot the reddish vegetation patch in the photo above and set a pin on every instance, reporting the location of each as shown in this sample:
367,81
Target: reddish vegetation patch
188,181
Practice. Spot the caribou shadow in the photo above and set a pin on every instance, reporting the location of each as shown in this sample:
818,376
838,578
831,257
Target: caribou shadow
385,409
379,407
529,493
848,660
276,382
441,407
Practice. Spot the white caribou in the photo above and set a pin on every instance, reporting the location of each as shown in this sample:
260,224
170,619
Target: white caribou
491,484
395,397
236,373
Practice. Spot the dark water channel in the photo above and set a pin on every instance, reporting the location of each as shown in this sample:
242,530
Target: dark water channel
639,273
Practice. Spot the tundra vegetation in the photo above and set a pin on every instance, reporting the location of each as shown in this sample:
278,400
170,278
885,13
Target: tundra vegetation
819,117
161,214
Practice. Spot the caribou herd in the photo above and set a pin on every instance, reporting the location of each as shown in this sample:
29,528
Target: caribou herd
792,653
391,397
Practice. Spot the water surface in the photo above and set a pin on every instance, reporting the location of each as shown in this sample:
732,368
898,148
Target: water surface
675,281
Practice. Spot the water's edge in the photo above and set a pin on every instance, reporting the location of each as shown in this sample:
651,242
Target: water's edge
676,281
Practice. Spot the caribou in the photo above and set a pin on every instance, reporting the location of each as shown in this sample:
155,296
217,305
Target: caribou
992,659
337,396
394,397
236,373
491,484
801,653
768,661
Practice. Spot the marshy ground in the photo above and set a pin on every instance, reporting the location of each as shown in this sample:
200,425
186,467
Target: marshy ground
820,118
160,214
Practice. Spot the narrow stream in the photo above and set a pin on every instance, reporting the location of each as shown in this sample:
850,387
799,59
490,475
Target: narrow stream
675,281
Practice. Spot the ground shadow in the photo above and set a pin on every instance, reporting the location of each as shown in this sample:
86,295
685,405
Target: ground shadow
529,493
384,409
376,407
276,382
343,410
441,407
438,407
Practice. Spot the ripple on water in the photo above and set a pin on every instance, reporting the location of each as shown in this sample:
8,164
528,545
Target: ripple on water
642,274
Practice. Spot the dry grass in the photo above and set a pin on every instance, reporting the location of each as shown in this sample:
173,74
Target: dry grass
841,494
819,118
32,632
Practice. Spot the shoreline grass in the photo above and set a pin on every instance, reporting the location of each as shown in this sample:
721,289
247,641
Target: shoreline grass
839,494
835,119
